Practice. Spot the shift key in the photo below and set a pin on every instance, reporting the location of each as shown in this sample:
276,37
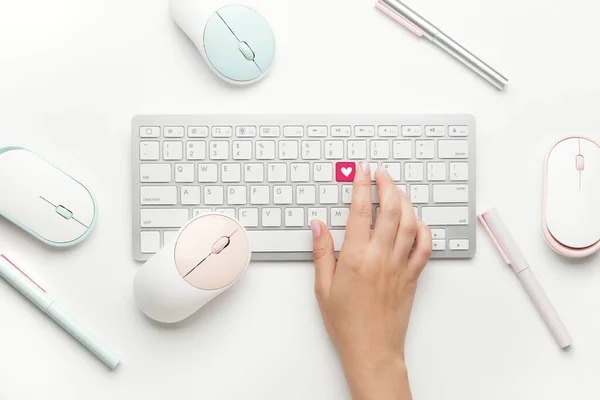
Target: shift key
163,218
434,216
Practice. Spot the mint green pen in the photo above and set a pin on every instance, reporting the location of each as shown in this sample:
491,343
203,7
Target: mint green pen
38,296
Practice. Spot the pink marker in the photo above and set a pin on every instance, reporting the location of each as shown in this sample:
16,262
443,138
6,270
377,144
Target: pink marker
513,256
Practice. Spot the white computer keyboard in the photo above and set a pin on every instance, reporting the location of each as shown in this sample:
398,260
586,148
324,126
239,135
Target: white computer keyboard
276,173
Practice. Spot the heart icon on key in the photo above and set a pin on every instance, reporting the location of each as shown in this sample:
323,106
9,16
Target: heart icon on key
345,171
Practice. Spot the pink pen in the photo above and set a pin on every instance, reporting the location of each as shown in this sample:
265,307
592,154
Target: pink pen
513,256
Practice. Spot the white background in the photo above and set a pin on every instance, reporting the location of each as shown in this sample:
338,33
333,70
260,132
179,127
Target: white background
73,73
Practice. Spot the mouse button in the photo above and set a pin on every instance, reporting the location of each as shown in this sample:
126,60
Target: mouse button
222,52
220,270
252,28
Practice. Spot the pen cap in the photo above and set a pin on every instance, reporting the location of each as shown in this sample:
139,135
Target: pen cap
504,240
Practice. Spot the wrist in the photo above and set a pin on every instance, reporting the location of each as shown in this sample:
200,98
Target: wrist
378,378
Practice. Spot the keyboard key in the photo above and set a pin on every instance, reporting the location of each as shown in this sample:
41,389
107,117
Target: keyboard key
419,194
195,150
347,194
288,150
364,131
149,242
387,131
289,240
402,149
394,169
231,173
265,150
450,193
300,172
306,194
190,195
380,149
345,171
197,131
277,172
317,131
271,217
311,150
173,131
149,131
207,173
328,194
294,217
459,171
334,149
226,211
293,131
184,173
341,131
248,217
438,234
163,217
411,131
219,150
317,213
269,131
155,173
254,172
424,148
434,131
323,172
453,149
357,149
436,171
413,172
242,150
459,131
445,215
259,195
172,150
221,131
373,169
236,195
438,245
158,195
245,131
282,195
169,236
213,195
458,244
339,216
149,151
200,211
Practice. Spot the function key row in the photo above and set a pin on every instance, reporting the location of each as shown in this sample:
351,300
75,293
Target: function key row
248,131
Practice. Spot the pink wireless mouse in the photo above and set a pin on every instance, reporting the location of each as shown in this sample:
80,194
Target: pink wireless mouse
207,257
571,204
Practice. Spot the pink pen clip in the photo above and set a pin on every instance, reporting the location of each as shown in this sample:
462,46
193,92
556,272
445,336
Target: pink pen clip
23,272
486,227
398,18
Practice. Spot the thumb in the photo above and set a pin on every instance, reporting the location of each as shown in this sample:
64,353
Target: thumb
323,256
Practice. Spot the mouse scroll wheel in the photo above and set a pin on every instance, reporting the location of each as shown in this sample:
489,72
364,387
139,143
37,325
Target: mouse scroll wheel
579,164
246,51
220,244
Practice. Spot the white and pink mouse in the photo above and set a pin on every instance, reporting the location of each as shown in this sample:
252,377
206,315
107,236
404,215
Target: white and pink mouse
207,257
571,203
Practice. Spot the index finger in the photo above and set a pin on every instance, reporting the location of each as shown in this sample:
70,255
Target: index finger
358,228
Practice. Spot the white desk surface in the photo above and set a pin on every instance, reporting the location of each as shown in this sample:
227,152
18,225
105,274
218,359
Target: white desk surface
73,73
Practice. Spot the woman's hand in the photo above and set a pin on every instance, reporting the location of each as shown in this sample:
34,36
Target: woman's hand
367,295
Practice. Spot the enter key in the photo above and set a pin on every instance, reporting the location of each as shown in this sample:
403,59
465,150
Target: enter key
450,193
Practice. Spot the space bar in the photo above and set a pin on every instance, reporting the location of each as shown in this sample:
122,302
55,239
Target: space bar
288,241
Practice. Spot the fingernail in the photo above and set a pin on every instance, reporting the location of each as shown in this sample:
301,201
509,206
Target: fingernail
315,227
366,168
